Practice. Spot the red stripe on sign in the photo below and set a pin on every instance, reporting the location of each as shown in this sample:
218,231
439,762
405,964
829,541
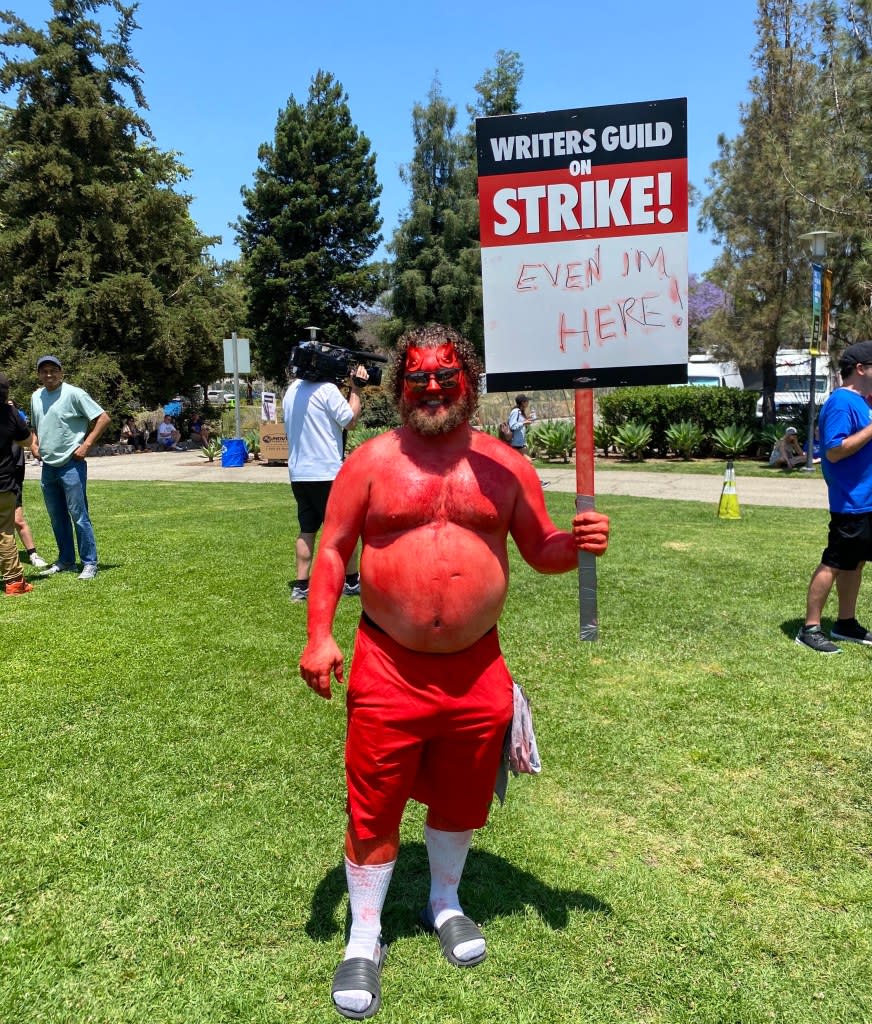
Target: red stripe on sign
613,200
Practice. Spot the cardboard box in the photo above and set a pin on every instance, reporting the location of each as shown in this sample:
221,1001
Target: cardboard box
273,442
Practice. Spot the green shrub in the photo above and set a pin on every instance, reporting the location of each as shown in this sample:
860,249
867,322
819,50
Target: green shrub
660,406
685,438
733,440
378,408
632,440
552,441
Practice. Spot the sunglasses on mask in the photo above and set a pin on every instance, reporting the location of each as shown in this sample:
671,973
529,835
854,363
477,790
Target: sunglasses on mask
448,377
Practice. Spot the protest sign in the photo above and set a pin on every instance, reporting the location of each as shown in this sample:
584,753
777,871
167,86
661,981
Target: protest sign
584,246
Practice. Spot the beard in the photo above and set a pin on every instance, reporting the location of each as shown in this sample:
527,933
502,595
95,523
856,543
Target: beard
430,423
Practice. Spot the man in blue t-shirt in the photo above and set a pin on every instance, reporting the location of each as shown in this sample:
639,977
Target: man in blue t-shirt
845,428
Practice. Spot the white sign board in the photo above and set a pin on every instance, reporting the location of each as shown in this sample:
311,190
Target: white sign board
243,358
584,246
268,407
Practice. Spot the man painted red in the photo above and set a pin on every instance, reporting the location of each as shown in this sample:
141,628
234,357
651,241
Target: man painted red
429,696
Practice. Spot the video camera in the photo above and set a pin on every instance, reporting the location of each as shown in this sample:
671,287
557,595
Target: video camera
320,361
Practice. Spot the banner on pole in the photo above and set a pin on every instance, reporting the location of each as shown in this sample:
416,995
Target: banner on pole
584,246
826,304
817,274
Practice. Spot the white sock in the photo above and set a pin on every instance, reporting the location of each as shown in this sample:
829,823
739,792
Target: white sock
367,888
447,854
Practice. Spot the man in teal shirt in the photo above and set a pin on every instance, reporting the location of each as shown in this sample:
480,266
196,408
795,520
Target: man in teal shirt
66,423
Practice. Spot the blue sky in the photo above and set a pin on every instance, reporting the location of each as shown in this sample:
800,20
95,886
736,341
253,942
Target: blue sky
216,75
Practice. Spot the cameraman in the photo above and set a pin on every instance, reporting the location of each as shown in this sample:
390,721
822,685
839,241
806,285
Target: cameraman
315,415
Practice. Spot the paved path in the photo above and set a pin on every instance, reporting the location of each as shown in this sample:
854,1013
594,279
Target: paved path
794,491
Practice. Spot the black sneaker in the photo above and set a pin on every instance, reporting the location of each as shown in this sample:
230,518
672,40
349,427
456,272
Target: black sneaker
811,636
851,631
351,589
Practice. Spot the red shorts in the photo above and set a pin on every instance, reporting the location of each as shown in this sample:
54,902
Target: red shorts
426,726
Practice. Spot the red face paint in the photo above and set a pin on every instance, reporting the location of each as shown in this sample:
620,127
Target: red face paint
433,401
432,360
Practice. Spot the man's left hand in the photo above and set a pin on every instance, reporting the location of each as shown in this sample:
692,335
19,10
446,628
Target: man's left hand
591,531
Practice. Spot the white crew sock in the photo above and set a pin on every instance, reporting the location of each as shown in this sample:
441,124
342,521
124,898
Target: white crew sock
367,888
447,854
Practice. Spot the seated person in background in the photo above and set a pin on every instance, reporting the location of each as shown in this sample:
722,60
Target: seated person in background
199,430
786,451
133,435
167,435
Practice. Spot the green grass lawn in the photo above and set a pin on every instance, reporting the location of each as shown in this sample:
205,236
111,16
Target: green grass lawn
697,849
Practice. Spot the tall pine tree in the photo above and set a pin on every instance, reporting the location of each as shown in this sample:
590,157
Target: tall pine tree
311,226
800,163
752,208
436,273
100,261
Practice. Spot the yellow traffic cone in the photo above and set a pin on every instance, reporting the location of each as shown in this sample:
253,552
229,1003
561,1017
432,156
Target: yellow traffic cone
728,506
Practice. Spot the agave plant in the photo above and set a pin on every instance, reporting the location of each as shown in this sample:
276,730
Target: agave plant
552,441
768,437
732,440
210,449
684,438
252,443
602,438
357,436
632,438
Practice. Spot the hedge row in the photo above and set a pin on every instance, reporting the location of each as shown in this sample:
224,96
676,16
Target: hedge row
660,407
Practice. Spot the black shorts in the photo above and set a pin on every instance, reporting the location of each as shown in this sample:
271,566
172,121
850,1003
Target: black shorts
311,496
849,541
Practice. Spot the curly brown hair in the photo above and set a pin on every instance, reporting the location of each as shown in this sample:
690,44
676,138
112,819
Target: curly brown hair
432,336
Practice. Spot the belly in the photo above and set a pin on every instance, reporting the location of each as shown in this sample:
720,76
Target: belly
435,589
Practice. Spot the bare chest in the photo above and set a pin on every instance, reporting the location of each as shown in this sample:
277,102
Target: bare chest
407,497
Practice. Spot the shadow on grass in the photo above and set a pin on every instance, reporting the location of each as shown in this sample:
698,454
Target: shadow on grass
491,887
790,627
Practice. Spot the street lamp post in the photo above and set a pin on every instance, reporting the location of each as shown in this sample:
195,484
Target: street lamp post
817,244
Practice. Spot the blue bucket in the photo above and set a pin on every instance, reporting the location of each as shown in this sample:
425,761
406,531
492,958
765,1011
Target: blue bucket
233,452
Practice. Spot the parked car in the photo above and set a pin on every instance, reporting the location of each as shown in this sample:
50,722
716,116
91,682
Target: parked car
214,397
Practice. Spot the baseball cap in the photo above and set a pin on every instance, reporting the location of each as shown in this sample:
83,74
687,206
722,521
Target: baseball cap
860,352
49,359
790,430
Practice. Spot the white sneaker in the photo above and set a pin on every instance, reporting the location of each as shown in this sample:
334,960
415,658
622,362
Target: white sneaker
56,568
88,571
37,562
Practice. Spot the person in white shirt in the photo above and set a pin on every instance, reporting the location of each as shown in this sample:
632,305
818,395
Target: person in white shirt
167,435
315,415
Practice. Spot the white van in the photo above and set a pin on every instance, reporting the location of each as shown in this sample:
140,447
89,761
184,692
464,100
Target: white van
703,371
793,382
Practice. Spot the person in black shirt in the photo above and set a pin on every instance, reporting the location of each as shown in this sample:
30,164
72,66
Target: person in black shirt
12,430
